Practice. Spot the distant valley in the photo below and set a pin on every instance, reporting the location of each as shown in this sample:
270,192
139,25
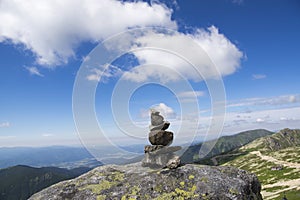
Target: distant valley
55,156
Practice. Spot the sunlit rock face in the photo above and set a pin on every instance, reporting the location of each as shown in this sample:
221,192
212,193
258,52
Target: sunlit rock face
133,181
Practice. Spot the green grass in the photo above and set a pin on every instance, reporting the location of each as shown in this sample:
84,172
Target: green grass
290,195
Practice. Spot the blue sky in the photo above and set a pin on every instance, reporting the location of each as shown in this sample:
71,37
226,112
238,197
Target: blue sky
254,45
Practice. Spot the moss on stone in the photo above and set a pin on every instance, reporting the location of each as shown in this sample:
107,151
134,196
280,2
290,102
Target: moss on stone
116,176
98,188
233,191
204,179
133,193
182,183
101,197
191,177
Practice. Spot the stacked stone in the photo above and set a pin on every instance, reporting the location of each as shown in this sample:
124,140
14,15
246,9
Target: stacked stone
160,154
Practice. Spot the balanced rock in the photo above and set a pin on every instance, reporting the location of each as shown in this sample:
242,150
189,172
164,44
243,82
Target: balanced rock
160,149
163,126
156,118
159,154
160,137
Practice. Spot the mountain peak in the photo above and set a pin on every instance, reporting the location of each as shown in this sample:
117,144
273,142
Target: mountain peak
133,181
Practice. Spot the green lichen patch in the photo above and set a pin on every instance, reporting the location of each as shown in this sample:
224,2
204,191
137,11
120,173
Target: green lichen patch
98,188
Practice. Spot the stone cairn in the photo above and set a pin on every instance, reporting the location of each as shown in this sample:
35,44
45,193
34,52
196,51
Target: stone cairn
160,154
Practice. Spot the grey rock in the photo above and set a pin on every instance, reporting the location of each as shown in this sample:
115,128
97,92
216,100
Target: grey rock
158,156
156,118
160,137
133,181
160,149
163,126
173,163
152,148
156,160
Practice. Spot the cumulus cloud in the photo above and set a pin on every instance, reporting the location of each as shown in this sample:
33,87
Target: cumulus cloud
34,71
258,76
165,110
225,56
4,124
53,29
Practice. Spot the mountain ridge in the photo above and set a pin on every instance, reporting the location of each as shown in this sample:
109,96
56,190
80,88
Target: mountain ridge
223,144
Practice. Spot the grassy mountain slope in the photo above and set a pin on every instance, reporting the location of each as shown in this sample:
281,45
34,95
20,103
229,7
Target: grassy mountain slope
20,182
279,151
224,144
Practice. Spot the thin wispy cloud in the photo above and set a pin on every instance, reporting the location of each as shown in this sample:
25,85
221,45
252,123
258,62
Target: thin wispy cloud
103,73
238,2
47,135
7,137
4,124
269,101
191,94
258,76
34,71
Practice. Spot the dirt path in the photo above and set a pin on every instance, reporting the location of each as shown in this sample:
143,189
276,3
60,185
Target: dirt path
274,160
292,184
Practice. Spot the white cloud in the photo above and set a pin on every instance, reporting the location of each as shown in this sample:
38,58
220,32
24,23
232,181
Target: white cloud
53,29
4,124
294,99
34,71
191,94
103,73
271,119
165,110
268,101
47,135
258,76
225,56
259,120
7,137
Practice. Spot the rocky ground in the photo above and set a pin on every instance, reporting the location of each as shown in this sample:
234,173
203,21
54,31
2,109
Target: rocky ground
135,182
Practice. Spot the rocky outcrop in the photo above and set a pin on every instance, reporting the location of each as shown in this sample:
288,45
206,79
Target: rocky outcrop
135,182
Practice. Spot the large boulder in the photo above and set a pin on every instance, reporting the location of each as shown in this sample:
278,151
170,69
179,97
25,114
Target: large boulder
135,182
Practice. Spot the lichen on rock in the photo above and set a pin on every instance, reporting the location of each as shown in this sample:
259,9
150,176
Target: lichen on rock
136,182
